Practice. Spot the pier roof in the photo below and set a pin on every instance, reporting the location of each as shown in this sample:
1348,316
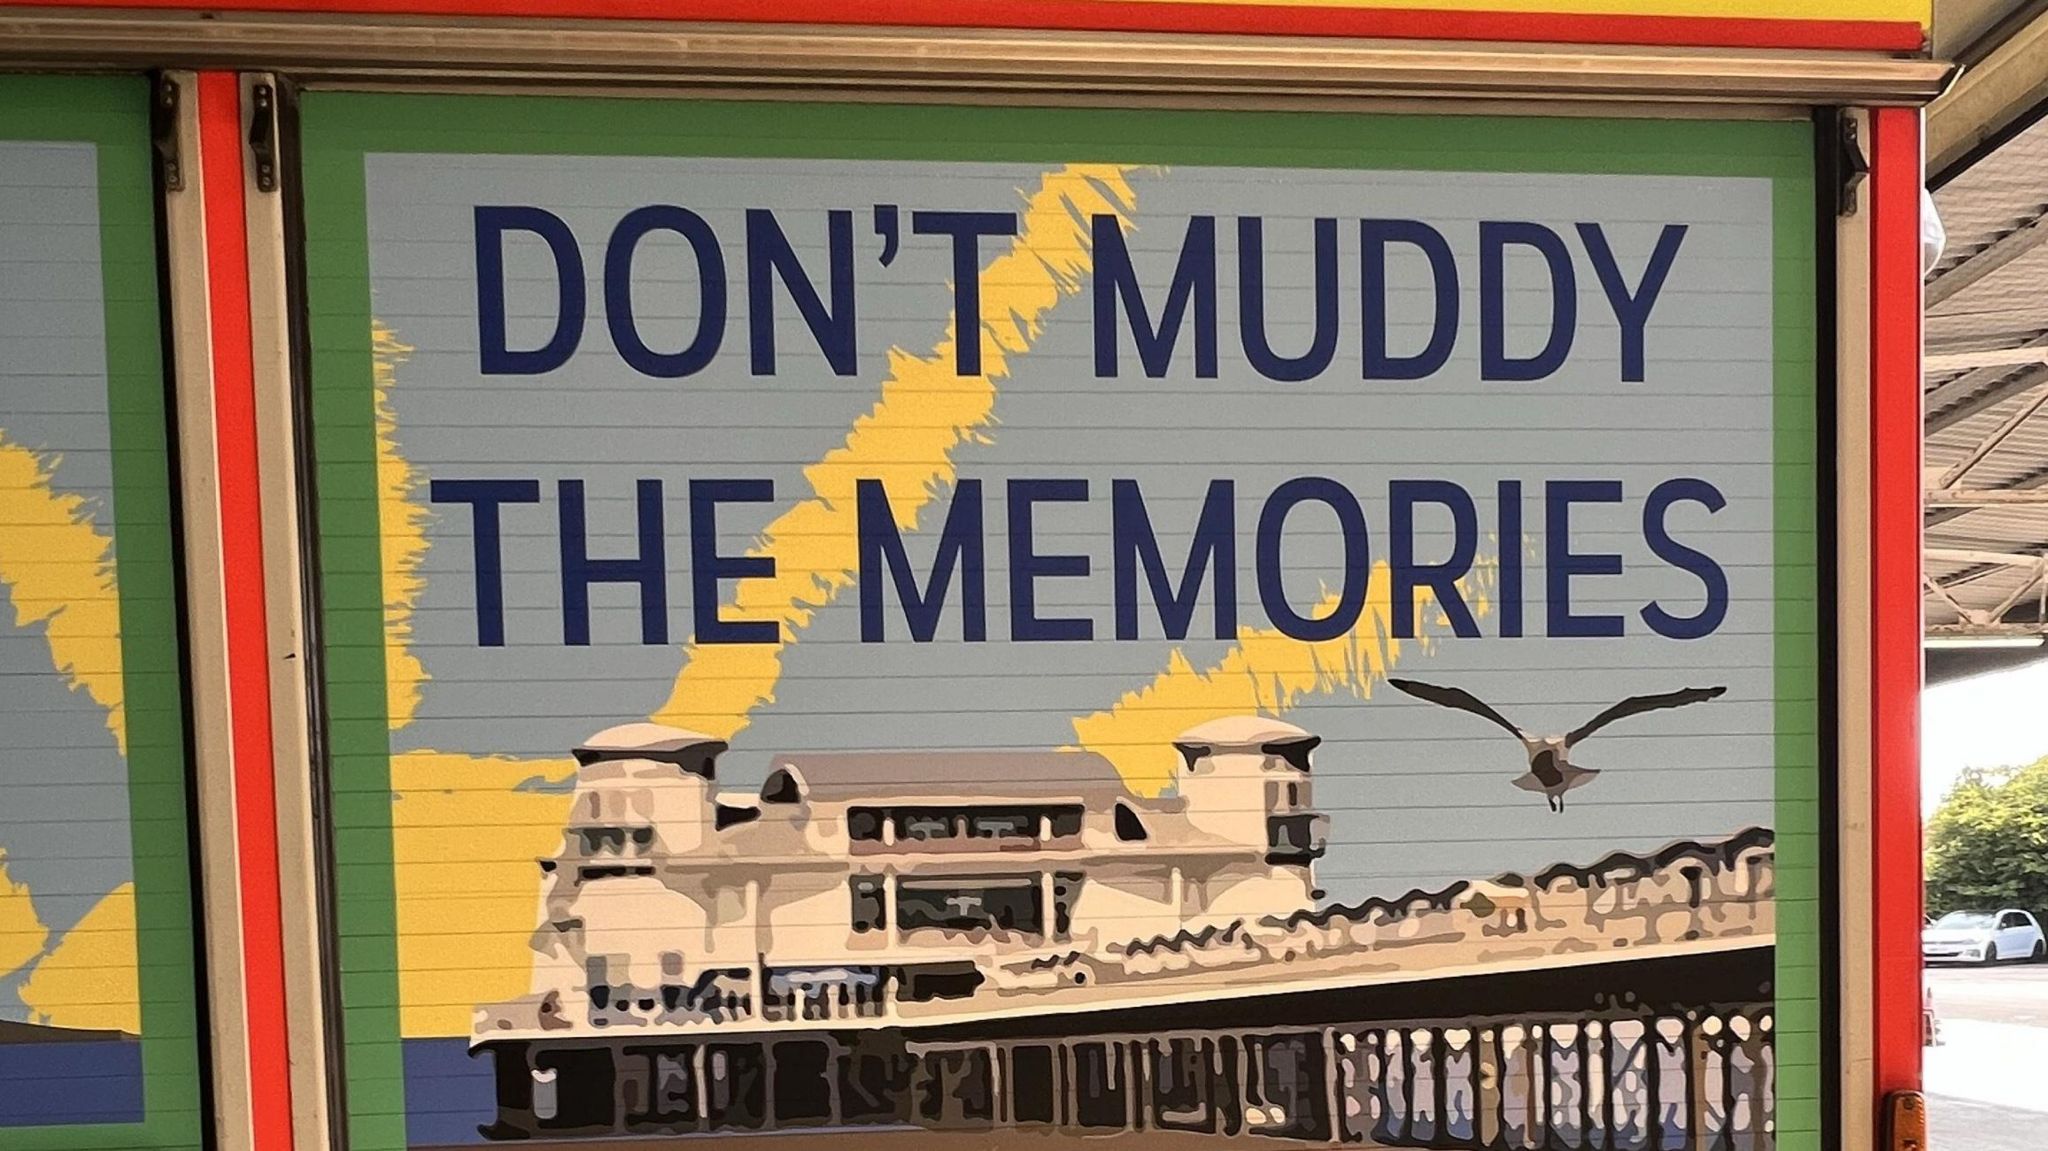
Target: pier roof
690,750
990,776
1242,731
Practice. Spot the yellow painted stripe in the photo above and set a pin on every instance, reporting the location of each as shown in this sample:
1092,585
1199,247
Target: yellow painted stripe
464,841
402,523
1266,673
59,571
906,441
22,934
91,979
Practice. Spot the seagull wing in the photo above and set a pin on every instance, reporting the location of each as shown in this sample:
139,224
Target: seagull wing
1636,705
1455,698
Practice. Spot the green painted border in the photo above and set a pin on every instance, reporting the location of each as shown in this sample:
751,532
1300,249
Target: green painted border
112,113
1801,838
341,128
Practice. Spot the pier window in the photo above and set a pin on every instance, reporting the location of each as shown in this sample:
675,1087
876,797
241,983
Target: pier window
1010,822
601,840
864,824
990,903
870,905
1288,1076
671,980
588,872
675,1088
1292,795
547,1098
874,1086
1100,1086
1294,839
1002,823
801,1083
724,815
954,1087
926,824
1129,828
1066,891
1034,1086
941,981
584,1092
654,1089
1181,1084
736,1086
614,840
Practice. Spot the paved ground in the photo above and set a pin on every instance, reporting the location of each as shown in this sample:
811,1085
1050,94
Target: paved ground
1985,1083
2008,993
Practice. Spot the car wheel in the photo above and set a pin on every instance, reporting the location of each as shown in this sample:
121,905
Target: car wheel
1990,954
2040,951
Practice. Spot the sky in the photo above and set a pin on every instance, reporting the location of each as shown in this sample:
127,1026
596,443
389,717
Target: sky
1986,721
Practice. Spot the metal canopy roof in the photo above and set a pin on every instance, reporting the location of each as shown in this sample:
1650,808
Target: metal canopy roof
1986,370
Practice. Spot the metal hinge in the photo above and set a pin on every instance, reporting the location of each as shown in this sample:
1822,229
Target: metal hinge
163,133
1853,168
263,136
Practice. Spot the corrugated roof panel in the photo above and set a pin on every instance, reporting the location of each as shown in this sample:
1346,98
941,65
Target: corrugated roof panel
1999,197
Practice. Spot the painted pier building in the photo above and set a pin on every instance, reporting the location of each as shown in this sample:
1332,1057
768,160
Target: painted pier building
944,941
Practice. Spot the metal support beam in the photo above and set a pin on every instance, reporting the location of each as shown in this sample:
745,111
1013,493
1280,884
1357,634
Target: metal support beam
1986,498
1978,376
1987,358
1935,397
1990,443
1987,631
1987,617
2006,604
1947,510
1977,338
1989,98
1983,262
1942,417
1941,593
1970,556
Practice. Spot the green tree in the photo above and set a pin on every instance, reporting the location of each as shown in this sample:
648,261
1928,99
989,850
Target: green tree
1987,845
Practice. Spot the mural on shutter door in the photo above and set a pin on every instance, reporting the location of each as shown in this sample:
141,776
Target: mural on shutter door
1328,654
98,1037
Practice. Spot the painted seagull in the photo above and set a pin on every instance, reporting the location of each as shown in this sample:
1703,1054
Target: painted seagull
1550,770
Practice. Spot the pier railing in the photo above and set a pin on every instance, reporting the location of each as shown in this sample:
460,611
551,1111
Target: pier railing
1702,1082
1644,1081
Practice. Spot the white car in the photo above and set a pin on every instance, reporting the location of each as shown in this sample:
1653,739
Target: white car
1983,937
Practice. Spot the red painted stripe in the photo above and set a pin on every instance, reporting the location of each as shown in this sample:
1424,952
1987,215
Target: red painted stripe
1129,16
1896,519
241,512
